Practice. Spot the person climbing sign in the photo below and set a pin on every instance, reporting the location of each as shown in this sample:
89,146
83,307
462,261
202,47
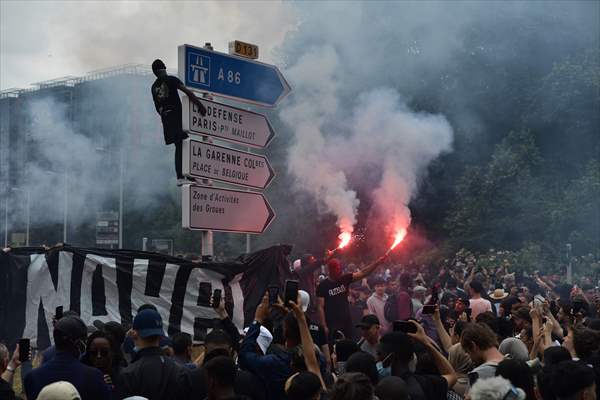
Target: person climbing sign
168,105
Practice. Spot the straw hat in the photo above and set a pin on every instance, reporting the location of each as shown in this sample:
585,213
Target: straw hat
498,294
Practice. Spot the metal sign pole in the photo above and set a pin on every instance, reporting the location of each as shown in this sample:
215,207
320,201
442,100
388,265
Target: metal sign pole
569,265
121,159
28,215
247,234
65,206
207,236
6,220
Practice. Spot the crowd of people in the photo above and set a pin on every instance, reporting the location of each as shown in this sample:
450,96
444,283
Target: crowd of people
377,331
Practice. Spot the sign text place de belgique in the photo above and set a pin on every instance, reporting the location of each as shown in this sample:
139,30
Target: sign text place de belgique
210,161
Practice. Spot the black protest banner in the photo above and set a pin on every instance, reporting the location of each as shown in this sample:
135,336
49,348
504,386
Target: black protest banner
110,285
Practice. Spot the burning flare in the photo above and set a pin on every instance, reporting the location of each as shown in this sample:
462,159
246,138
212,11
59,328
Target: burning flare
398,238
345,238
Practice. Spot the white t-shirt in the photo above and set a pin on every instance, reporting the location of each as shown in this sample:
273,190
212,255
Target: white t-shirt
479,306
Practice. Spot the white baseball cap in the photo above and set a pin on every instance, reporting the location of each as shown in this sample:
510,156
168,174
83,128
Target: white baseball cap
297,265
304,300
60,390
264,338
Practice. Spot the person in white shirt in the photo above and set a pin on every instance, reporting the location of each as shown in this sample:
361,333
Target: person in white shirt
477,304
376,305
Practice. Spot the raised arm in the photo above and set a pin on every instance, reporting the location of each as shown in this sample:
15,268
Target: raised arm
228,325
441,331
556,328
308,346
193,98
442,364
248,358
12,365
368,270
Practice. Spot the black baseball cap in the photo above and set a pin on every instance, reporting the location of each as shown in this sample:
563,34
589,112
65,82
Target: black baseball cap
71,328
368,321
148,323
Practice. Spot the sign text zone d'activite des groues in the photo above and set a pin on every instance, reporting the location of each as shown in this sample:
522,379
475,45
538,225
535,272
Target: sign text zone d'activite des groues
226,210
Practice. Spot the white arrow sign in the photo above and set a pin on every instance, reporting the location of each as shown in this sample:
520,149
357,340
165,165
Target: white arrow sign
207,208
228,123
209,161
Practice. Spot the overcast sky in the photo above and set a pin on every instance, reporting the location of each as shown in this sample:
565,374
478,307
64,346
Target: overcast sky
41,40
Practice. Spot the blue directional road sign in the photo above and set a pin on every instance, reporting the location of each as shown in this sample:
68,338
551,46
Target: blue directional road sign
231,76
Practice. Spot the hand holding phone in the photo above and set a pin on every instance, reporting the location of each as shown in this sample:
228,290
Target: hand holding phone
24,349
216,298
404,326
273,294
290,292
428,309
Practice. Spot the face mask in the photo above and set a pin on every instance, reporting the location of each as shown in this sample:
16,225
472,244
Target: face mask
384,371
412,365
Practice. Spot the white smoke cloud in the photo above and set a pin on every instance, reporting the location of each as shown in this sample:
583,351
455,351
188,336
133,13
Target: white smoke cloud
379,133
398,141
74,153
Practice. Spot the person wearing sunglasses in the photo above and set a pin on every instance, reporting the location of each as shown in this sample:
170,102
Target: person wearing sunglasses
99,354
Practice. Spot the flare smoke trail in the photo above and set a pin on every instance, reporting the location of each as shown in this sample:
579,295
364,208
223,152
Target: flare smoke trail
315,104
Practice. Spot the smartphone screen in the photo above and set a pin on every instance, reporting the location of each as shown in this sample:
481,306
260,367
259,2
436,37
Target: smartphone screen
404,326
273,293
24,349
204,292
428,309
216,298
58,313
291,292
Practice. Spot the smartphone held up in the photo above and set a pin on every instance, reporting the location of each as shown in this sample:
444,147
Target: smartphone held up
290,293
404,326
24,349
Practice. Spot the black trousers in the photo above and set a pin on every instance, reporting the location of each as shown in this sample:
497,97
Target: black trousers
178,158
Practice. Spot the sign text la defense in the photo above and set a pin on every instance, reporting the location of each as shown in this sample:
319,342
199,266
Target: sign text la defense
228,123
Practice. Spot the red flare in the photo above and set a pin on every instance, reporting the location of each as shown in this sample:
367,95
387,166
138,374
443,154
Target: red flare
398,238
345,238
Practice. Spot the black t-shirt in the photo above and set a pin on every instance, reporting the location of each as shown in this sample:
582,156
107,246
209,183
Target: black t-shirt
168,105
164,93
335,293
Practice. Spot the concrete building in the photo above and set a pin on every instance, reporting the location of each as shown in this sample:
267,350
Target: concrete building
67,147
